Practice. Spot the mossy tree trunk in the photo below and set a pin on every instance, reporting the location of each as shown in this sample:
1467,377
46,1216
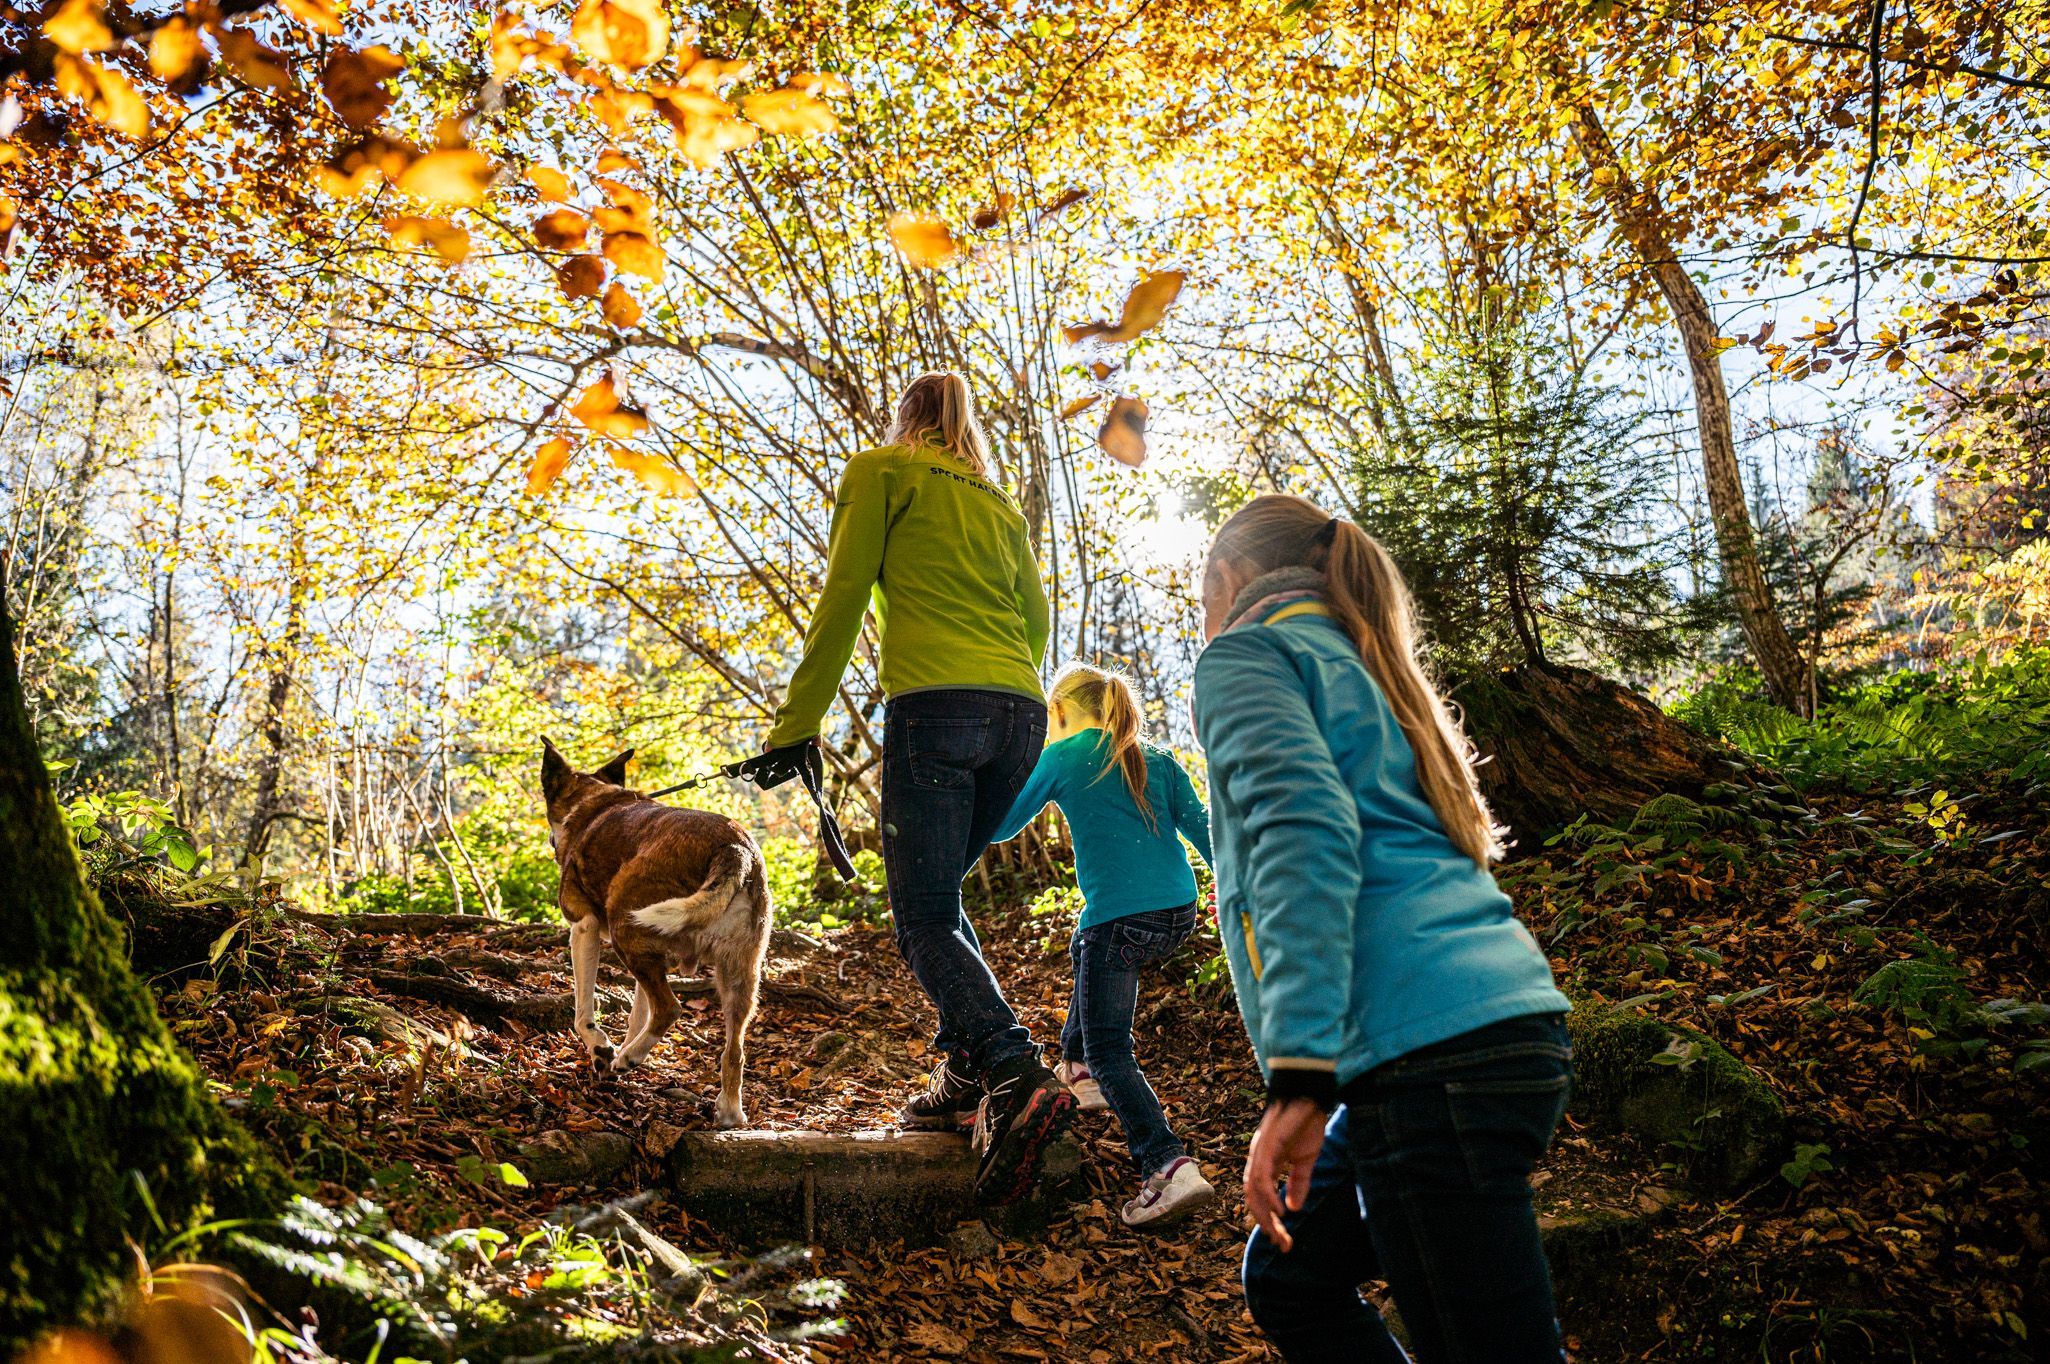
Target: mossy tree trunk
97,1102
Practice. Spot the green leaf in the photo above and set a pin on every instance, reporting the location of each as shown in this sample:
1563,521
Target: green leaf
510,1175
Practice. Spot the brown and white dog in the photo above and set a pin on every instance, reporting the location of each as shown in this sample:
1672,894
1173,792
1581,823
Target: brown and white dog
664,886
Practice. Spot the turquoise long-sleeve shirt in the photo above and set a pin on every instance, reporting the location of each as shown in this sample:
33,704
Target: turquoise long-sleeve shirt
1122,865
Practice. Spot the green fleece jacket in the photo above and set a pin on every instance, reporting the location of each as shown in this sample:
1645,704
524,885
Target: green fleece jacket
957,596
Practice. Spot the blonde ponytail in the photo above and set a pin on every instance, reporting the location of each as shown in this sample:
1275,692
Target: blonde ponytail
1366,593
1106,697
936,409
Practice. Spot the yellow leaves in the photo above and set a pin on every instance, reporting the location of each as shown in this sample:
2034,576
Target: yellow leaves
581,277
106,93
795,109
79,26
448,241
599,408
562,230
923,240
618,307
1676,65
354,83
635,254
256,64
1123,433
1080,405
1605,176
456,177
626,33
317,15
706,126
1145,306
548,463
655,473
712,75
176,54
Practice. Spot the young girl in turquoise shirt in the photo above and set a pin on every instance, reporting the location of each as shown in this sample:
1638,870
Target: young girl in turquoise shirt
1412,1040
1128,805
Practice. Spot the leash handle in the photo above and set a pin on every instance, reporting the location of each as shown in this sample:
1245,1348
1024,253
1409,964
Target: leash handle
811,770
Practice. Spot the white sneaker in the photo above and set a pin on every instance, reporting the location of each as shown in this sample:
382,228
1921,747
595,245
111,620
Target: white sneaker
1088,1094
1168,1194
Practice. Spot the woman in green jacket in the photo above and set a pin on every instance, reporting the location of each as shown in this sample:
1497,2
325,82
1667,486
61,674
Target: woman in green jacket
943,552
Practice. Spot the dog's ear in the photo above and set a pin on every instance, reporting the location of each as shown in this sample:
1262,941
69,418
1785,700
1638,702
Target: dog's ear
555,773
614,771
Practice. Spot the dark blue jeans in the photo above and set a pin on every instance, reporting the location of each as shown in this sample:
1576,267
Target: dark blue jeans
1107,958
1424,1182
953,761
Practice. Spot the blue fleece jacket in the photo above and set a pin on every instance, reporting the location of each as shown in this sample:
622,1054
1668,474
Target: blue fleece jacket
1355,930
1122,865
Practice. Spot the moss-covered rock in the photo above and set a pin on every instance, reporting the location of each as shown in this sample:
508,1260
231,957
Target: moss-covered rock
1677,1087
105,1124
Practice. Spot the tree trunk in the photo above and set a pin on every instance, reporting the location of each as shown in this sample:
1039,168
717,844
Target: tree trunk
284,657
1642,219
95,1097
1562,742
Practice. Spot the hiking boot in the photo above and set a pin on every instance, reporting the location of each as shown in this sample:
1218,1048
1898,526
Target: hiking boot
1088,1094
947,1104
1168,1194
1024,1111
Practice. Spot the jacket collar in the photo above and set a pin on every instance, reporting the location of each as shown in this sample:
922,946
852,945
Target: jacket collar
1275,591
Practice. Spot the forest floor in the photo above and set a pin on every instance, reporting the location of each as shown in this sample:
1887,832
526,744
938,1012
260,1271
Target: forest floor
1911,1223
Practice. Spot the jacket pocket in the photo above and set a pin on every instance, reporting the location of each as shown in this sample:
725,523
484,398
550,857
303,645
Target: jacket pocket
1252,948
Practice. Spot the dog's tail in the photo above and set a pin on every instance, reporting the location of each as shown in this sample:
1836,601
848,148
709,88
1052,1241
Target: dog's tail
724,878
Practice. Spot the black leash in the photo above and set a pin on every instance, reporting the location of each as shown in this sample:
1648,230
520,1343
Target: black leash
811,770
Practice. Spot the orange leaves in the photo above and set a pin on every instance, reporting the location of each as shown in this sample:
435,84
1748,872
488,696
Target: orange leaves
354,83
562,230
655,473
990,215
1123,433
706,126
636,255
317,15
628,222
923,240
176,54
553,184
448,241
599,408
457,177
548,463
106,93
795,110
625,33
1080,405
356,167
79,26
581,276
1145,306
619,308
256,64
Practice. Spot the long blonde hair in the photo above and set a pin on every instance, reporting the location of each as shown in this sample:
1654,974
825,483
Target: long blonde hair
1106,697
1366,593
937,409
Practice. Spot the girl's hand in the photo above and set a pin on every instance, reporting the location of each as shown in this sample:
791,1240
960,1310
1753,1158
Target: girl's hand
1288,1140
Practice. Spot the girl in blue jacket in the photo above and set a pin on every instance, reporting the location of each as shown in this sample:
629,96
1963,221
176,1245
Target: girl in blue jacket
1128,807
1413,1043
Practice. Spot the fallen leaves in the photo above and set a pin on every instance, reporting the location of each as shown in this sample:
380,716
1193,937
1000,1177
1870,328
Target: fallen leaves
923,240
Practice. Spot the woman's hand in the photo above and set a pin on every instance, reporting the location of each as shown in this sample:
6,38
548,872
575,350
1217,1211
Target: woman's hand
1291,1134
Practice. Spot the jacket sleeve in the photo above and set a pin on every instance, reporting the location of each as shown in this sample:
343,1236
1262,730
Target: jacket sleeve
1032,602
1041,787
854,559
1300,878
1191,820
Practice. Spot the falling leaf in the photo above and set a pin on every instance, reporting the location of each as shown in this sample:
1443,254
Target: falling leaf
1144,307
1068,199
599,408
619,308
456,177
317,15
256,64
449,242
1080,405
79,26
176,54
1123,433
706,126
626,209
562,230
549,462
655,473
790,112
552,183
581,276
106,93
1103,369
628,33
612,159
990,215
922,239
713,75
354,83
635,254
356,167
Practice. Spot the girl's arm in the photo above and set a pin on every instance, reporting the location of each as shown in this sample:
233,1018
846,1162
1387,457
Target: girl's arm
1191,820
1040,788
854,559
1301,879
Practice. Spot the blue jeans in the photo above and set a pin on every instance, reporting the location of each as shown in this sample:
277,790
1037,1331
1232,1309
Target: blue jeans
1107,958
1424,1182
953,761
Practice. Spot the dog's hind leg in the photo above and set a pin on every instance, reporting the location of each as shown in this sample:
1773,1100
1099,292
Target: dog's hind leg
653,974
586,941
739,985
637,1018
